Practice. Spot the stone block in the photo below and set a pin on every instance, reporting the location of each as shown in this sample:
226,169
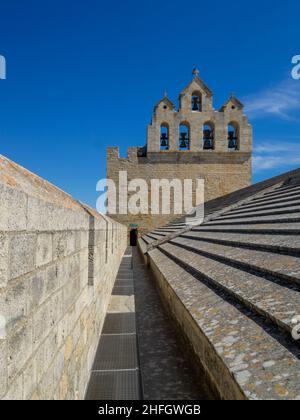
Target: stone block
58,368
13,303
46,385
15,391
4,241
60,245
19,348
29,380
3,368
52,279
51,348
41,324
22,251
44,249
35,291
13,209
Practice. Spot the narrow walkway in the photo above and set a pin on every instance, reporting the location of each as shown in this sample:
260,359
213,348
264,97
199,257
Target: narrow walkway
167,372
140,355
115,374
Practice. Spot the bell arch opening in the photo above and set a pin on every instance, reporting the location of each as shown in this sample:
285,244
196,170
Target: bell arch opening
208,140
196,101
184,136
164,136
233,136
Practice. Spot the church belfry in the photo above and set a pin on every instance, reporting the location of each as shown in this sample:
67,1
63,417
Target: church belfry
189,141
196,126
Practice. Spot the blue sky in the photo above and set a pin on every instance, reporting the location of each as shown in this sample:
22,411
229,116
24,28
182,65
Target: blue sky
84,75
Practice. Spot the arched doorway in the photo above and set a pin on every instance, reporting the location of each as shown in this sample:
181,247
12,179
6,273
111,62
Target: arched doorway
133,237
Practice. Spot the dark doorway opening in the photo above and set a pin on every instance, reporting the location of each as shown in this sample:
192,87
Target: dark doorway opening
133,237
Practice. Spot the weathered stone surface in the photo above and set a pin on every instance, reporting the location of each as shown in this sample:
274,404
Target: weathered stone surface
22,251
53,316
233,283
3,368
13,206
13,303
44,249
3,260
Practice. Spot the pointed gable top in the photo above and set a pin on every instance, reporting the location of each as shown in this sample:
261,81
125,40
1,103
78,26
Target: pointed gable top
197,83
234,102
167,102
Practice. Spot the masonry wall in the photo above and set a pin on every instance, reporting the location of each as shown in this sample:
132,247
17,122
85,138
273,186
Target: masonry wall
58,263
223,173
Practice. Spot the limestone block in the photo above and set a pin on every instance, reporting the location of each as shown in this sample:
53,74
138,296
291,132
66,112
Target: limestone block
29,380
22,251
3,259
35,290
3,368
51,280
13,303
15,392
44,249
41,324
19,348
13,209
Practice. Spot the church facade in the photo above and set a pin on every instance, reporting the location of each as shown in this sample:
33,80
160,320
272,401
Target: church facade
193,141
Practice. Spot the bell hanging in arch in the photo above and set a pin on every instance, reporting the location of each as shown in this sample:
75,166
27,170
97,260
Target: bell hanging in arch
232,140
164,140
195,103
183,141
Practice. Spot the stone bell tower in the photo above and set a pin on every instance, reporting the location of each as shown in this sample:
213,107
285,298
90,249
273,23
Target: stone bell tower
189,142
196,126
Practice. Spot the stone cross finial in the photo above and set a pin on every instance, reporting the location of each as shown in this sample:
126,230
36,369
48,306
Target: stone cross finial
165,94
195,72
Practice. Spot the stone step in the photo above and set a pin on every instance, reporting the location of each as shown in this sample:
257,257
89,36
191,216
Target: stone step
257,213
261,207
163,232
168,229
276,303
155,237
287,244
276,195
148,239
179,225
162,229
257,228
270,201
280,218
284,189
236,338
285,268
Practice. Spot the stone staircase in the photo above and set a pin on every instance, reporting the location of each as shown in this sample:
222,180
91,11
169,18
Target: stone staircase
237,276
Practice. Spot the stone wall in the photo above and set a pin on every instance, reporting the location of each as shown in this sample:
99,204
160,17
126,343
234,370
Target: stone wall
223,173
58,263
